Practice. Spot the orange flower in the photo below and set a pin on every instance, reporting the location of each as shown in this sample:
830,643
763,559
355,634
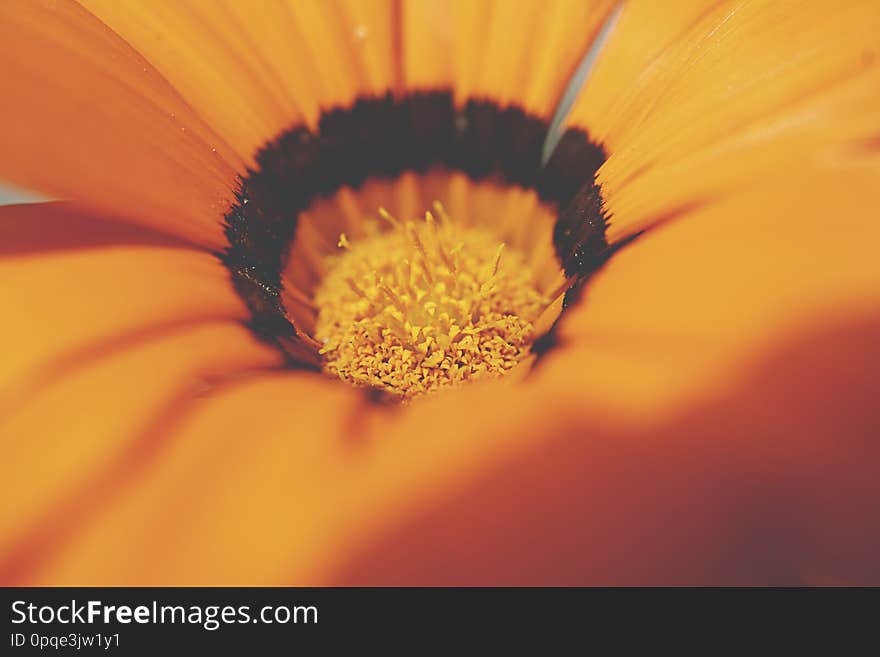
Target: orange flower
701,412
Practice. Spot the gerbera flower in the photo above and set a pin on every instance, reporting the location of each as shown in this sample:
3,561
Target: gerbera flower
207,341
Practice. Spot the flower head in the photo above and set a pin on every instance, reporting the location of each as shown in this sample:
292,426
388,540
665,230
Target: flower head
644,305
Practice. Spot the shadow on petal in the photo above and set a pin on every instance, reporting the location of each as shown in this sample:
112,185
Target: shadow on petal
775,484
59,226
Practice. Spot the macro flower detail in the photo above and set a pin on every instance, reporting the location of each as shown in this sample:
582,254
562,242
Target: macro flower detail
425,306
275,261
422,292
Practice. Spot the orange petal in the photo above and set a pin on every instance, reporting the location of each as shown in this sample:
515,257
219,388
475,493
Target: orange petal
243,491
284,479
775,483
693,100
253,70
235,63
687,305
90,434
64,306
59,226
519,53
91,120
295,480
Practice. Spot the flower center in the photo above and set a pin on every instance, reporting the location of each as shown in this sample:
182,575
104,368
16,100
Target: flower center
424,305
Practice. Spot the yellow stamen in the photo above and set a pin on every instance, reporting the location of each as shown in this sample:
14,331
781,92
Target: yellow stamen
400,311
387,216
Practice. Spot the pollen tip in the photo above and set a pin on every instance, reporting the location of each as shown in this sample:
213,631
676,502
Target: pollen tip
387,216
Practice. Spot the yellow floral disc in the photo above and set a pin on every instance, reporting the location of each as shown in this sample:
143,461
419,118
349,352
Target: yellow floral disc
425,305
